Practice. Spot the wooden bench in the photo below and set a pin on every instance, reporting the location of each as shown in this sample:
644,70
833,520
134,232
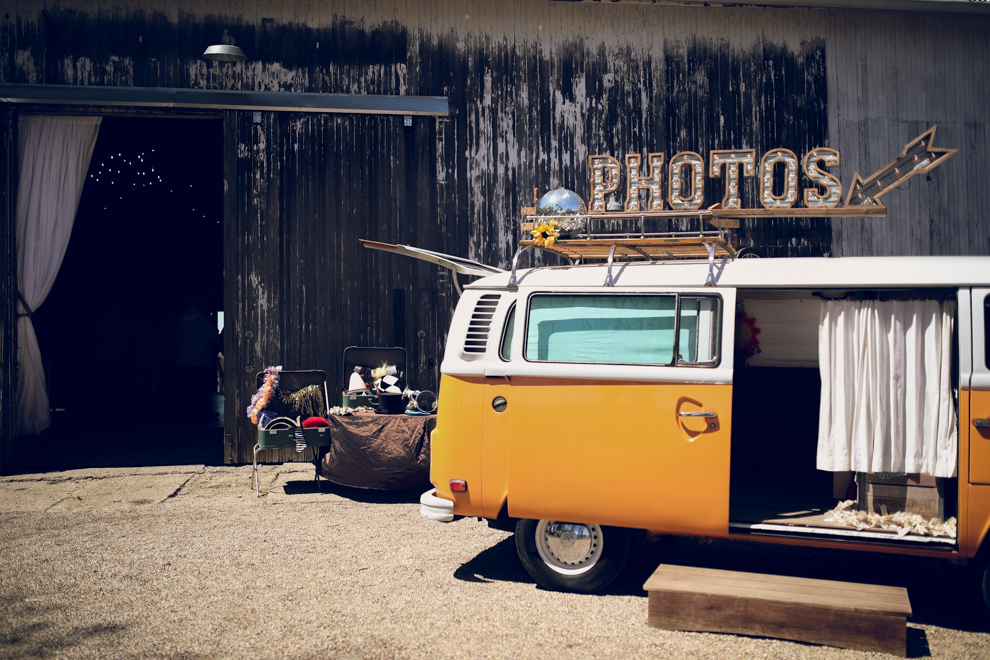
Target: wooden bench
864,617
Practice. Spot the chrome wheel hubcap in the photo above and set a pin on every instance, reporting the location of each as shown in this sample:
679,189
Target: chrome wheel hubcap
569,548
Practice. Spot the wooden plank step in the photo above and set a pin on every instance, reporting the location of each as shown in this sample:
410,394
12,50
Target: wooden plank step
864,617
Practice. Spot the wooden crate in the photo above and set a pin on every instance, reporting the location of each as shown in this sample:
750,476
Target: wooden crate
854,616
914,493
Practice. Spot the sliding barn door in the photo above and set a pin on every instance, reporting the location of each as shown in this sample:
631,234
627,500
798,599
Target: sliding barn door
301,189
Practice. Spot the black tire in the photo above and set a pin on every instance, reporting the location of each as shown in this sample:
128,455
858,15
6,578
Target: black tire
984,576
576,557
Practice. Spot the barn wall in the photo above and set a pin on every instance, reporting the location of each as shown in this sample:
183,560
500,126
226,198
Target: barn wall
534,89
891,77
308,187
8,288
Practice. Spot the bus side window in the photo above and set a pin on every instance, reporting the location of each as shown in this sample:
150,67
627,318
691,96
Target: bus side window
507,350
698,331
601,328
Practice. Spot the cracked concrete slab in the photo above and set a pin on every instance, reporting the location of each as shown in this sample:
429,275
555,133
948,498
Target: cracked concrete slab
216,484
126,491
34,496
93,488
295,482
198,485
102,473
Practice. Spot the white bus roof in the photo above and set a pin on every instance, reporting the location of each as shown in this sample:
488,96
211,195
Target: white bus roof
789,273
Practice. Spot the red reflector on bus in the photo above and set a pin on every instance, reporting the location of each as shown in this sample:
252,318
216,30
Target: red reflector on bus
458,486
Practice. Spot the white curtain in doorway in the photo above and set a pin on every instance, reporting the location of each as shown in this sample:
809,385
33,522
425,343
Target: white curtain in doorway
887,403
53,155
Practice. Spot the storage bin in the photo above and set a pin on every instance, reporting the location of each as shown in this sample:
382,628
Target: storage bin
371,358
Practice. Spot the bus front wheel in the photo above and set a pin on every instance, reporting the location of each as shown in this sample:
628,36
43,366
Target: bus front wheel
566,556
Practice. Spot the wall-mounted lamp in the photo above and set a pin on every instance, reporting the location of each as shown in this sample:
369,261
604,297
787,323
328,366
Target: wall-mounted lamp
225,51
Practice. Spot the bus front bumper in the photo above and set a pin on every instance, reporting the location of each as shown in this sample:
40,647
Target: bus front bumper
435,508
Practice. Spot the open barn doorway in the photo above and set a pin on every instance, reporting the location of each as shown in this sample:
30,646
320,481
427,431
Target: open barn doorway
146,249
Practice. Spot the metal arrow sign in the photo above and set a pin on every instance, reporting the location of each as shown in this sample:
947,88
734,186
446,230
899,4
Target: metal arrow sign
918,157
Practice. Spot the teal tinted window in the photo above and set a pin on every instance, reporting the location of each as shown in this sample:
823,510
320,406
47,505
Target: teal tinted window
612,329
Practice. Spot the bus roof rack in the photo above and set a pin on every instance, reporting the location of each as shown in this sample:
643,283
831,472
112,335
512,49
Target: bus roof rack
589,246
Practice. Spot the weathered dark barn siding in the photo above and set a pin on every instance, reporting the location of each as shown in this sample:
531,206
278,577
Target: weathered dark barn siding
309,186
8,295
534,89
889,81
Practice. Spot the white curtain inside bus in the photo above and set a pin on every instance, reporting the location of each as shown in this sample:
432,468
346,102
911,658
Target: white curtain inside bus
887,403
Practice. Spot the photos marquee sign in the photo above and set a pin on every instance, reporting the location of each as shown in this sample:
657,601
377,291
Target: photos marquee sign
686,172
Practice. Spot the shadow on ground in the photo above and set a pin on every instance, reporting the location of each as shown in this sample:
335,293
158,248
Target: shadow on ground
941,593
365,495
72,447
371,496
498,563
35,639
125,439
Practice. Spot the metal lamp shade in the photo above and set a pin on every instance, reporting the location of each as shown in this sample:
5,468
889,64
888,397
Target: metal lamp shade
224,53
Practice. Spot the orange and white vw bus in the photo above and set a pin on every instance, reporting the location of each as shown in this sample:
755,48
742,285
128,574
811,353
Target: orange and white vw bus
580,403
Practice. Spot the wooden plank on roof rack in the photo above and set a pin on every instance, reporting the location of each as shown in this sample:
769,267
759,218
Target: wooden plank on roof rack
877,211
627,249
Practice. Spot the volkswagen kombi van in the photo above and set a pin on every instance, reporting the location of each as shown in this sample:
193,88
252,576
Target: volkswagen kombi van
579,404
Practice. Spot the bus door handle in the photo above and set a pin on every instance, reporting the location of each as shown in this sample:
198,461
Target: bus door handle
981,423
702,413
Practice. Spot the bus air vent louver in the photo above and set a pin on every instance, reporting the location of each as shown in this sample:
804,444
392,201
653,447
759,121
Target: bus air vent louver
481,323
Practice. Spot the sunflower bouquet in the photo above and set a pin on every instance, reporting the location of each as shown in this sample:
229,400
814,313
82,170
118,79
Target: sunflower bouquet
546,232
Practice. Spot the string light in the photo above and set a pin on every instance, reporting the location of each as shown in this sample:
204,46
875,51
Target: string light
136,168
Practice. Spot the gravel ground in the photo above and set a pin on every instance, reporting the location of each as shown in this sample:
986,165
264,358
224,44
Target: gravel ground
212,571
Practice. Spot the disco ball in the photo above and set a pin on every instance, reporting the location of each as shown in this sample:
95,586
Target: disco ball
566,206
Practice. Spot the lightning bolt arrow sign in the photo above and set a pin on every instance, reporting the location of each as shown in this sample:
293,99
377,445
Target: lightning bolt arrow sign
918,157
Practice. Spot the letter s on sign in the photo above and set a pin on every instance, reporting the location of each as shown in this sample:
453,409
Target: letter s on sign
814,199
